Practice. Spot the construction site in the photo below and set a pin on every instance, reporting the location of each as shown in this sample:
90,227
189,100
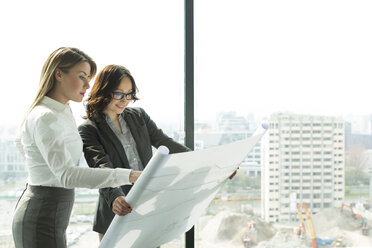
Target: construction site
344,226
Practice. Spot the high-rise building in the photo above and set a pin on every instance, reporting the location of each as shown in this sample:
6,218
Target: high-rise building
303,161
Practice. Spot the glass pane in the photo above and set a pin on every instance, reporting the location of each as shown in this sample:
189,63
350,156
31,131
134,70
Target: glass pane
304,68
144,36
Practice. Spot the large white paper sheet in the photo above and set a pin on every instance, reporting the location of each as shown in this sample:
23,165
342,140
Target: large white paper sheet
173,192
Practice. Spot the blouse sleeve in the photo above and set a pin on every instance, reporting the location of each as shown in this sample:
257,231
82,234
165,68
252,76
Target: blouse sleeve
51,141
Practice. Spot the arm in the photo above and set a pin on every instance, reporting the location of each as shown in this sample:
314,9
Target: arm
51,142
158,138
97,157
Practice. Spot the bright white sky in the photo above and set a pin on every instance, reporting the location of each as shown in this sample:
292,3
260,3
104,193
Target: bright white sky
307,57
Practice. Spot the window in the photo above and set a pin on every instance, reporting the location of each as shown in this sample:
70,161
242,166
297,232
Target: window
316,205
244,63
316,196
146,37
327,205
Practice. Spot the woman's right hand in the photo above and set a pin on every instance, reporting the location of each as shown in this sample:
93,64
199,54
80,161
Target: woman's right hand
133,176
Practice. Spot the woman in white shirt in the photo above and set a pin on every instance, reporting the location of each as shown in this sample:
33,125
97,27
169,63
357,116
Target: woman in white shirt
50,141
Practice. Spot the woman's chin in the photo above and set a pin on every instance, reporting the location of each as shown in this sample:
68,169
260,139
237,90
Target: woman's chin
120,111
77,99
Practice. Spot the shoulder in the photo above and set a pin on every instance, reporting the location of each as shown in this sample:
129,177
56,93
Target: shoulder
42,115
44,122
88,124
134,111
137,116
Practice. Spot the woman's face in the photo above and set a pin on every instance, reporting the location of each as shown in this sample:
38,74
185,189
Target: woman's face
117,106
74,83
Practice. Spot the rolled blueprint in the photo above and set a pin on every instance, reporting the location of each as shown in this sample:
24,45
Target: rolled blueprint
159,159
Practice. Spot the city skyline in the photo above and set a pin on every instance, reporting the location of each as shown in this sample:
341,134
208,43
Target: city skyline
359,124
229,127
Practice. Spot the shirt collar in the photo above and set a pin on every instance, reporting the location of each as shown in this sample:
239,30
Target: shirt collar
53,104
121,116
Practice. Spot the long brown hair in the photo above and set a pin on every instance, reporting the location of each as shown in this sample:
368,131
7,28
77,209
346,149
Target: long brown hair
107,80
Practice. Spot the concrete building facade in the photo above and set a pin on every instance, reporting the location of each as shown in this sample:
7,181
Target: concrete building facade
303,161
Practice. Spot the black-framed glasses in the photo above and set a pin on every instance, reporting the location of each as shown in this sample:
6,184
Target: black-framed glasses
117,95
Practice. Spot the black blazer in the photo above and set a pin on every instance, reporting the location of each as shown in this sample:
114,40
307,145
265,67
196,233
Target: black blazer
103,149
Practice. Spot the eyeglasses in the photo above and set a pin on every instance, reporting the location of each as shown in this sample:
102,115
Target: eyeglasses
117,95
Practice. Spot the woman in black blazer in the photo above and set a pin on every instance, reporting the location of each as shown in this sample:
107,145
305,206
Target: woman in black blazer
116,136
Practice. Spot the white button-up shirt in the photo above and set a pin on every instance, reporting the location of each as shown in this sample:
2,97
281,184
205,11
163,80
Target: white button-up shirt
52,146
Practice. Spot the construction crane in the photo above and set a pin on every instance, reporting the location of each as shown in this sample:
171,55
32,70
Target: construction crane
314,240
309,222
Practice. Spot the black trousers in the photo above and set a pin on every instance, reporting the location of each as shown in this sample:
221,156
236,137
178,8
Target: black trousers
42,216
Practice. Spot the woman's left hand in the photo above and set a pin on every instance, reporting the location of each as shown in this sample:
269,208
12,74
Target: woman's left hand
121,207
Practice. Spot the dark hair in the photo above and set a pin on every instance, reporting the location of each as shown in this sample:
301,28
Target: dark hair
107,80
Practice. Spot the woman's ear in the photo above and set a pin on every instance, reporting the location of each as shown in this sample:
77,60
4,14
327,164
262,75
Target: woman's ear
58,74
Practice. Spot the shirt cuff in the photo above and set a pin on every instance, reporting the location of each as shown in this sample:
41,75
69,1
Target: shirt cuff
122,176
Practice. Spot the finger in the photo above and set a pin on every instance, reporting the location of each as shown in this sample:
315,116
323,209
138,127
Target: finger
123,203
121,211
116,211
121,207
126,211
